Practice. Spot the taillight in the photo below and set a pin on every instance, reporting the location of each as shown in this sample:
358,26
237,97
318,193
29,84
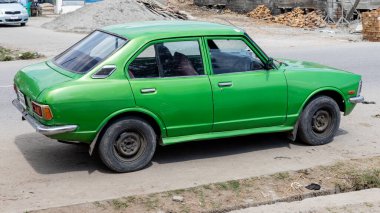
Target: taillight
43,111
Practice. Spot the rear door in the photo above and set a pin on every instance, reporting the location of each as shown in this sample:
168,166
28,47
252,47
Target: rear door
168,78
246,95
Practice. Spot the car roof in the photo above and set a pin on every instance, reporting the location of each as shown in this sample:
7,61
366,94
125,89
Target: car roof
171,29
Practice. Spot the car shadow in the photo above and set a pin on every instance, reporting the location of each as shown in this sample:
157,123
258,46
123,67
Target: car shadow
48,156
220,147
9,25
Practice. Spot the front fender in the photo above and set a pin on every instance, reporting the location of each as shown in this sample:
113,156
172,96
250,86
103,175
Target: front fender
293,118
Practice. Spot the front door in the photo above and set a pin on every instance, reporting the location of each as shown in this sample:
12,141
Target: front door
245,94
168,78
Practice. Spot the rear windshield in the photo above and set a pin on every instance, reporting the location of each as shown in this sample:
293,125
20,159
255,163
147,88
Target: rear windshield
86,54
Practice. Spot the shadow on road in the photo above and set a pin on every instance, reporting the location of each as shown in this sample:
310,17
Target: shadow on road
9,26
47,156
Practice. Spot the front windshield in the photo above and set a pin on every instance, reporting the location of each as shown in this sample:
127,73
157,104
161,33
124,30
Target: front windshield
86,54
7,1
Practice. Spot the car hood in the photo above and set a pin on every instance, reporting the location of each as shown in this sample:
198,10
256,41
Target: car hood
306,65
33,79
11,7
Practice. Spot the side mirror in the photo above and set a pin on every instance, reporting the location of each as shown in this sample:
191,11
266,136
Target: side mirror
270,64
104,72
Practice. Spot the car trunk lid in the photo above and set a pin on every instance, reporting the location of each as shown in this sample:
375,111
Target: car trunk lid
32,80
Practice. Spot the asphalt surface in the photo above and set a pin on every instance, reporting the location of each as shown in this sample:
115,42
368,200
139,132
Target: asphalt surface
36,172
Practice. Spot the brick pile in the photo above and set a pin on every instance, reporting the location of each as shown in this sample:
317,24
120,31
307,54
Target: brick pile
371,25
295,18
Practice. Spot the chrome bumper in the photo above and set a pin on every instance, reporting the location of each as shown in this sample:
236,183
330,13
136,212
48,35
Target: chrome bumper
45,130
357,99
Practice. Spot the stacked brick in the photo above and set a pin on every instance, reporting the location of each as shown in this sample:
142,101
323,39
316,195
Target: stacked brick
371,25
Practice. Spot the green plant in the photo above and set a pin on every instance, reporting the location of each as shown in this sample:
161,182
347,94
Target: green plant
28,55
118,204
234,185
282,175
366,180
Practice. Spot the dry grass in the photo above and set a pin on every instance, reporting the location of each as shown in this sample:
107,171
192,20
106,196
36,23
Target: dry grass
234,194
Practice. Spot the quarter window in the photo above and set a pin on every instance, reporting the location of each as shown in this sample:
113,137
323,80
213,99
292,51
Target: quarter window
145,65
171,59
229,56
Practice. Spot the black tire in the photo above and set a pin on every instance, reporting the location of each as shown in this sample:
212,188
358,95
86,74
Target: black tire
319,121
127,145
23,24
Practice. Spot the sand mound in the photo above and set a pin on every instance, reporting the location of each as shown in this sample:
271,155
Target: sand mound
109,12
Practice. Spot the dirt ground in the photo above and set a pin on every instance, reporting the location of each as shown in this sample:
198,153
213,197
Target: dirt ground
344,176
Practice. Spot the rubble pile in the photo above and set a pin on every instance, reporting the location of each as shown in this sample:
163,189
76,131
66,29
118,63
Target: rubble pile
110,12
371,25
295,18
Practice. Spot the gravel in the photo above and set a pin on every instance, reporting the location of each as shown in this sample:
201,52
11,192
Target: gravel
97,15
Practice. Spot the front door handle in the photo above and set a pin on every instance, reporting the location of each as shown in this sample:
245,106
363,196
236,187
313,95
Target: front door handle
225,84
148,90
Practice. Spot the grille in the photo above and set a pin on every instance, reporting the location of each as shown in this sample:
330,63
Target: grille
12,12
12,20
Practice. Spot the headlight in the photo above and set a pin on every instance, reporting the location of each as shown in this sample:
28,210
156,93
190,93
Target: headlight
24,11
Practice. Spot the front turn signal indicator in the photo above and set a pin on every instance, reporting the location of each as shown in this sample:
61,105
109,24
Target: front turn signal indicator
42,111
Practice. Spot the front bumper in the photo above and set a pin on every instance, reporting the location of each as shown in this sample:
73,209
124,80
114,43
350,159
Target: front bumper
14,19
357,99
45,130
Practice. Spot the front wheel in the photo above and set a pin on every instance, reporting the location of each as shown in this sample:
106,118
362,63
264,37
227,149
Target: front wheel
127,145
319,121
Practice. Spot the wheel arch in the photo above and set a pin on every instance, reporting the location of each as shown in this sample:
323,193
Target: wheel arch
151,118
331,92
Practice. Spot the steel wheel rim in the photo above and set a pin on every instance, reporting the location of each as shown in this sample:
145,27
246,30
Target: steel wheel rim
129,146
321,121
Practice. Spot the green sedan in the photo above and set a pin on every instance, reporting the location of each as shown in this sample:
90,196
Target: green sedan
126,88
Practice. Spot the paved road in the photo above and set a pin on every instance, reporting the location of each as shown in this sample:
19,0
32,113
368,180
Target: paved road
36,172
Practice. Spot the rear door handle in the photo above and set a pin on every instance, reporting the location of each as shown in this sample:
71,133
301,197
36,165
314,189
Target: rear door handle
148,90
225,84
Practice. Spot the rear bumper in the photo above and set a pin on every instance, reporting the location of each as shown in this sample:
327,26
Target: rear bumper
45,130
357,99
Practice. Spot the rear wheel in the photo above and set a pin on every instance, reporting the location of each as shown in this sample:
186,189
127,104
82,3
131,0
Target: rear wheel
127,145
319,121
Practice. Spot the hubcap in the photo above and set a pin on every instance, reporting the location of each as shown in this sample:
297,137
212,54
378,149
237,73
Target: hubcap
128,144
321,121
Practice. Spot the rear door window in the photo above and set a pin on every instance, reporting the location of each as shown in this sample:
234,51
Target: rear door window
168,59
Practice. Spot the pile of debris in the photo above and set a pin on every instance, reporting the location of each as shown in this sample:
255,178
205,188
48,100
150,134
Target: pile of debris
261,12
371,25
295,18
161,10
110,12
